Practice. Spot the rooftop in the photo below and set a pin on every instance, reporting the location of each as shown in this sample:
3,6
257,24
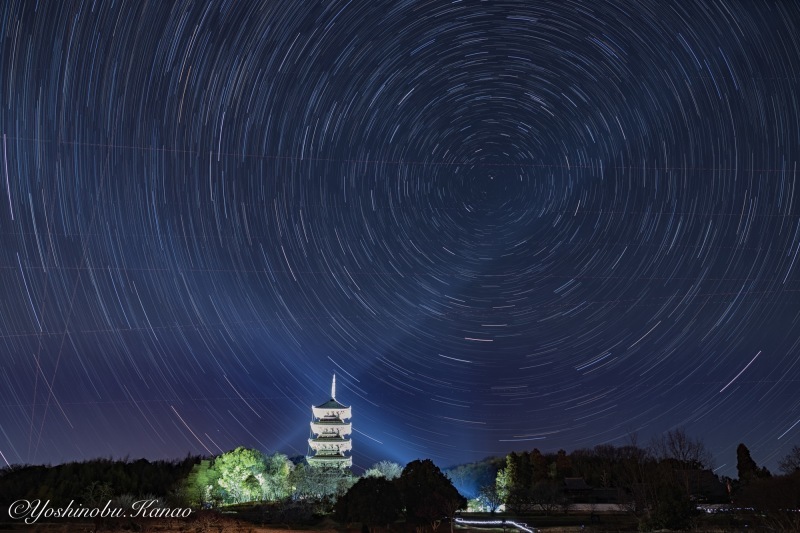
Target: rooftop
332,404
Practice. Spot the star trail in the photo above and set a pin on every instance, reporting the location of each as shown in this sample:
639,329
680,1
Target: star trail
502,224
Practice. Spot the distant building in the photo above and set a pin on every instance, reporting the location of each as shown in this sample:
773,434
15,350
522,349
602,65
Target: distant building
577,489
330,433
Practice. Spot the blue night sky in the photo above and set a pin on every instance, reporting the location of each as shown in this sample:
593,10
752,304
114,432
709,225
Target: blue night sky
503,225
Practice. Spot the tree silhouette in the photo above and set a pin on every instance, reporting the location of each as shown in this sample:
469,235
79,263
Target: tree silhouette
563,465
372,501
427,494
791,463
677,445
673,509
776,500
539,466
490,497
746,467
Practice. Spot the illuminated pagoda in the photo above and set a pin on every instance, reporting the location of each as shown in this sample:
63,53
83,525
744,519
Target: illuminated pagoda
330,433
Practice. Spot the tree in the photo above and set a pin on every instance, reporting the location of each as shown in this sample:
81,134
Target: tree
469,478
503,484
673,509
385,469
274,482
563,465
372,501
322,484
524,472
512,469
240,473
746,467
96,493
428,494
678,446
490,497
791,463
451,505
539,466
200,488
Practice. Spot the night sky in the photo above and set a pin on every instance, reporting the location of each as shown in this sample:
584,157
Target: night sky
503,225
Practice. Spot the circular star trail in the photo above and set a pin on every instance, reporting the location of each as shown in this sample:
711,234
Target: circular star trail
503,225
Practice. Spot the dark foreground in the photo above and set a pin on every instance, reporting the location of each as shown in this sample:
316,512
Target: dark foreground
247,521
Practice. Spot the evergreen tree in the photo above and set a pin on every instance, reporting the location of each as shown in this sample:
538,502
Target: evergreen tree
512,469
503,485
524,471
746,467
539,466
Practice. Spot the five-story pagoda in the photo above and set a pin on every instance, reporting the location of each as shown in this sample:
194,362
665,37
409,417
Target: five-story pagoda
330,433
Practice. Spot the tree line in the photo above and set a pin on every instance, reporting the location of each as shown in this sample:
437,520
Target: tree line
95,479
660,484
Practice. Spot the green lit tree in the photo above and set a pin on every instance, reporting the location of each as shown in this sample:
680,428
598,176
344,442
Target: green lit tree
274,483
241,472
503,484
200,488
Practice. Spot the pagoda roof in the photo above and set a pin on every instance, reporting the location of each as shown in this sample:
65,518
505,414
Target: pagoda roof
332,404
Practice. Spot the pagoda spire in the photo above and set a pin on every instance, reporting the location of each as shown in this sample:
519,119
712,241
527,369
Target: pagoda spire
333,388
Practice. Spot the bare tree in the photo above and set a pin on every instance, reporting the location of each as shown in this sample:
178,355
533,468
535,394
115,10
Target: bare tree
490,497
791,463
678,446
635,477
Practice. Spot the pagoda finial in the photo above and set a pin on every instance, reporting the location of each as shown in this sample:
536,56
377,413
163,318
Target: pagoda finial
333,388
